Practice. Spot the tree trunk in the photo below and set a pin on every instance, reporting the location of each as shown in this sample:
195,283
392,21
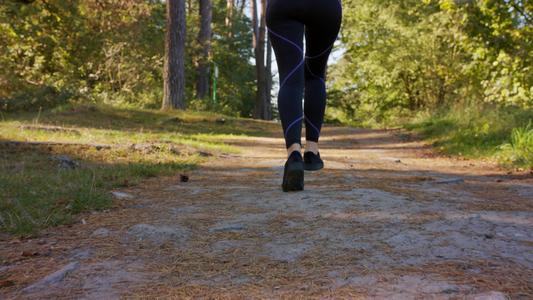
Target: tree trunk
259,47
255,25
174,66
243,5
441,92
268,90
230,4
204,39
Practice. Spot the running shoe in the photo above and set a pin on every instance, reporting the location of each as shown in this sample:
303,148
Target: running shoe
312,162
293,174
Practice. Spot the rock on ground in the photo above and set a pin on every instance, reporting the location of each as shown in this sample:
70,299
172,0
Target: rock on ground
52,279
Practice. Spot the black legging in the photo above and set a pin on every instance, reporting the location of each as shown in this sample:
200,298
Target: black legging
287,21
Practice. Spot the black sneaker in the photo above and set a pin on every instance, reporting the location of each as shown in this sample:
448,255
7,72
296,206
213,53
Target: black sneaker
293,175
312,162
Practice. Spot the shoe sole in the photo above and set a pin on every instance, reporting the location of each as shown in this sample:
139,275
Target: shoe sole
313,167
294,178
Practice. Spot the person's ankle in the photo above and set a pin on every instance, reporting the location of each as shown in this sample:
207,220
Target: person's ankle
294,147
311,147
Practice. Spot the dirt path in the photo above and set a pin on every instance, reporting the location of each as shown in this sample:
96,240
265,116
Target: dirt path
385,219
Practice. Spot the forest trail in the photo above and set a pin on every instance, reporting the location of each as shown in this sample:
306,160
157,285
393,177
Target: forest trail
385,219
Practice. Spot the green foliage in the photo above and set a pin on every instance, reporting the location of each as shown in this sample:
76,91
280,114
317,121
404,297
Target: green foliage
407,56
460,69
232,52
402,59
54,52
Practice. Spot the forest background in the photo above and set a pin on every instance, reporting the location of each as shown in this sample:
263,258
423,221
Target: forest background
458,72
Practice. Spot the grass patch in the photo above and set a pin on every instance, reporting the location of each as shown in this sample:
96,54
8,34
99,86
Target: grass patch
504,134
519,151
112,148
37,193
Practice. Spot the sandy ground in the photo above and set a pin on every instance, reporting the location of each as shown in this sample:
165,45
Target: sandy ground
385,219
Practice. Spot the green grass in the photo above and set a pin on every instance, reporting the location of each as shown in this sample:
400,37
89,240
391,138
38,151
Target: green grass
502,134
36,193
519,151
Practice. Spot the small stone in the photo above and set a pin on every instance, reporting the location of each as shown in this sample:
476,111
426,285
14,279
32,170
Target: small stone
101,232
159,234
52,279
66,162
449,181
228,228
204,154
490,296
286,252
81,254
122,195
450,291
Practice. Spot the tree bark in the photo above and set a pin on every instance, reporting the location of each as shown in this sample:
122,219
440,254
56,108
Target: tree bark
243,5
255,23
230,4
174,66
259,49
268,90
204,39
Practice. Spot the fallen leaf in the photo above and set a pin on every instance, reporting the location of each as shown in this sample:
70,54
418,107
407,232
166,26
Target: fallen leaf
27,253
184,178
6,283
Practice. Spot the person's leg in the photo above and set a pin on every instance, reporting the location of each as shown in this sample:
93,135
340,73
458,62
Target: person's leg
286,35
320,34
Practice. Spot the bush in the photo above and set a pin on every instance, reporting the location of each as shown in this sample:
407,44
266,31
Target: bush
35,99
